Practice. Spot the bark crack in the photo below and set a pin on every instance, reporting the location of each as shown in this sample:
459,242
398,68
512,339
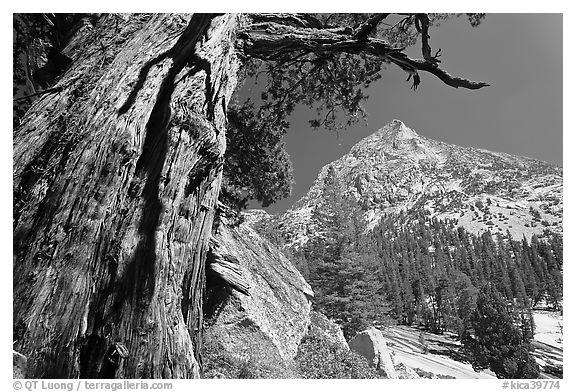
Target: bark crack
182,52
139,279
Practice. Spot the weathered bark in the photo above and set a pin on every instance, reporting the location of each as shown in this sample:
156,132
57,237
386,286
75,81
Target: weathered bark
38,58
115,180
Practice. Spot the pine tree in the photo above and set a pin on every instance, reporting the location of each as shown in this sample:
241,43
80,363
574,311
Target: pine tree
553,281
498,343
465,302
502,261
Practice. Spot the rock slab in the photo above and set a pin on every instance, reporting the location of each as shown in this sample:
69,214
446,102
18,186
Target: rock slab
327,329
371,344
275,315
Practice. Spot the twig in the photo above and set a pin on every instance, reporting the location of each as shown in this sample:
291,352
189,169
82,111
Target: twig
55,89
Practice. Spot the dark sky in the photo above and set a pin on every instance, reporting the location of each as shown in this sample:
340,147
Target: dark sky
520,55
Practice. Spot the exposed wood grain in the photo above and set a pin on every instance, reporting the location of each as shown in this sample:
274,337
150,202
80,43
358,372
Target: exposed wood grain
113,211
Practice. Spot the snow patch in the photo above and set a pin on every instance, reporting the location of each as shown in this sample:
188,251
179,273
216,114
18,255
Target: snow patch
549,328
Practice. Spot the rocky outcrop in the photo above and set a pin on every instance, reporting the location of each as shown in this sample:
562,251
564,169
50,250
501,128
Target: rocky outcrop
328,330
372,345
268,323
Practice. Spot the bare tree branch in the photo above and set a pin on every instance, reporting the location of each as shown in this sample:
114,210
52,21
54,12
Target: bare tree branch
422,23
364,30
297,20
426,66
269,41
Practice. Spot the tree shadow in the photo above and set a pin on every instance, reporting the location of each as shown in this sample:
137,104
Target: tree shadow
450,353
139,280
142,76
182,52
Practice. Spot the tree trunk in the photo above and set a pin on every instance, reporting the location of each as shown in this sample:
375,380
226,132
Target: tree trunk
116,175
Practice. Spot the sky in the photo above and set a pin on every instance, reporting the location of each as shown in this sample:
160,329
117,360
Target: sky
520,113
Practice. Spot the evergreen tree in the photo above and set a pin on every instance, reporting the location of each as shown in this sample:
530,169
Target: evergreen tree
503,258
517,284
498,343
431,272
465,302
553,282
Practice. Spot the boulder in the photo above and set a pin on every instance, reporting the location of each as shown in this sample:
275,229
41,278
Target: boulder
327,330
268,311
404,372
371,344
18,365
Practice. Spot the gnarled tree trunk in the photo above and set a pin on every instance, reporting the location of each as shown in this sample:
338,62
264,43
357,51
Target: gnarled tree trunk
116,175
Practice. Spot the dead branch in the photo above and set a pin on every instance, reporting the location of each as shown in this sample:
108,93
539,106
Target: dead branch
269,41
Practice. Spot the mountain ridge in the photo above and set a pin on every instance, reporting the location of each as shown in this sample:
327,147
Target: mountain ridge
395,169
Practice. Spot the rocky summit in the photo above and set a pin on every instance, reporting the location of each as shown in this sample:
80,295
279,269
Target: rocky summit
397,170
